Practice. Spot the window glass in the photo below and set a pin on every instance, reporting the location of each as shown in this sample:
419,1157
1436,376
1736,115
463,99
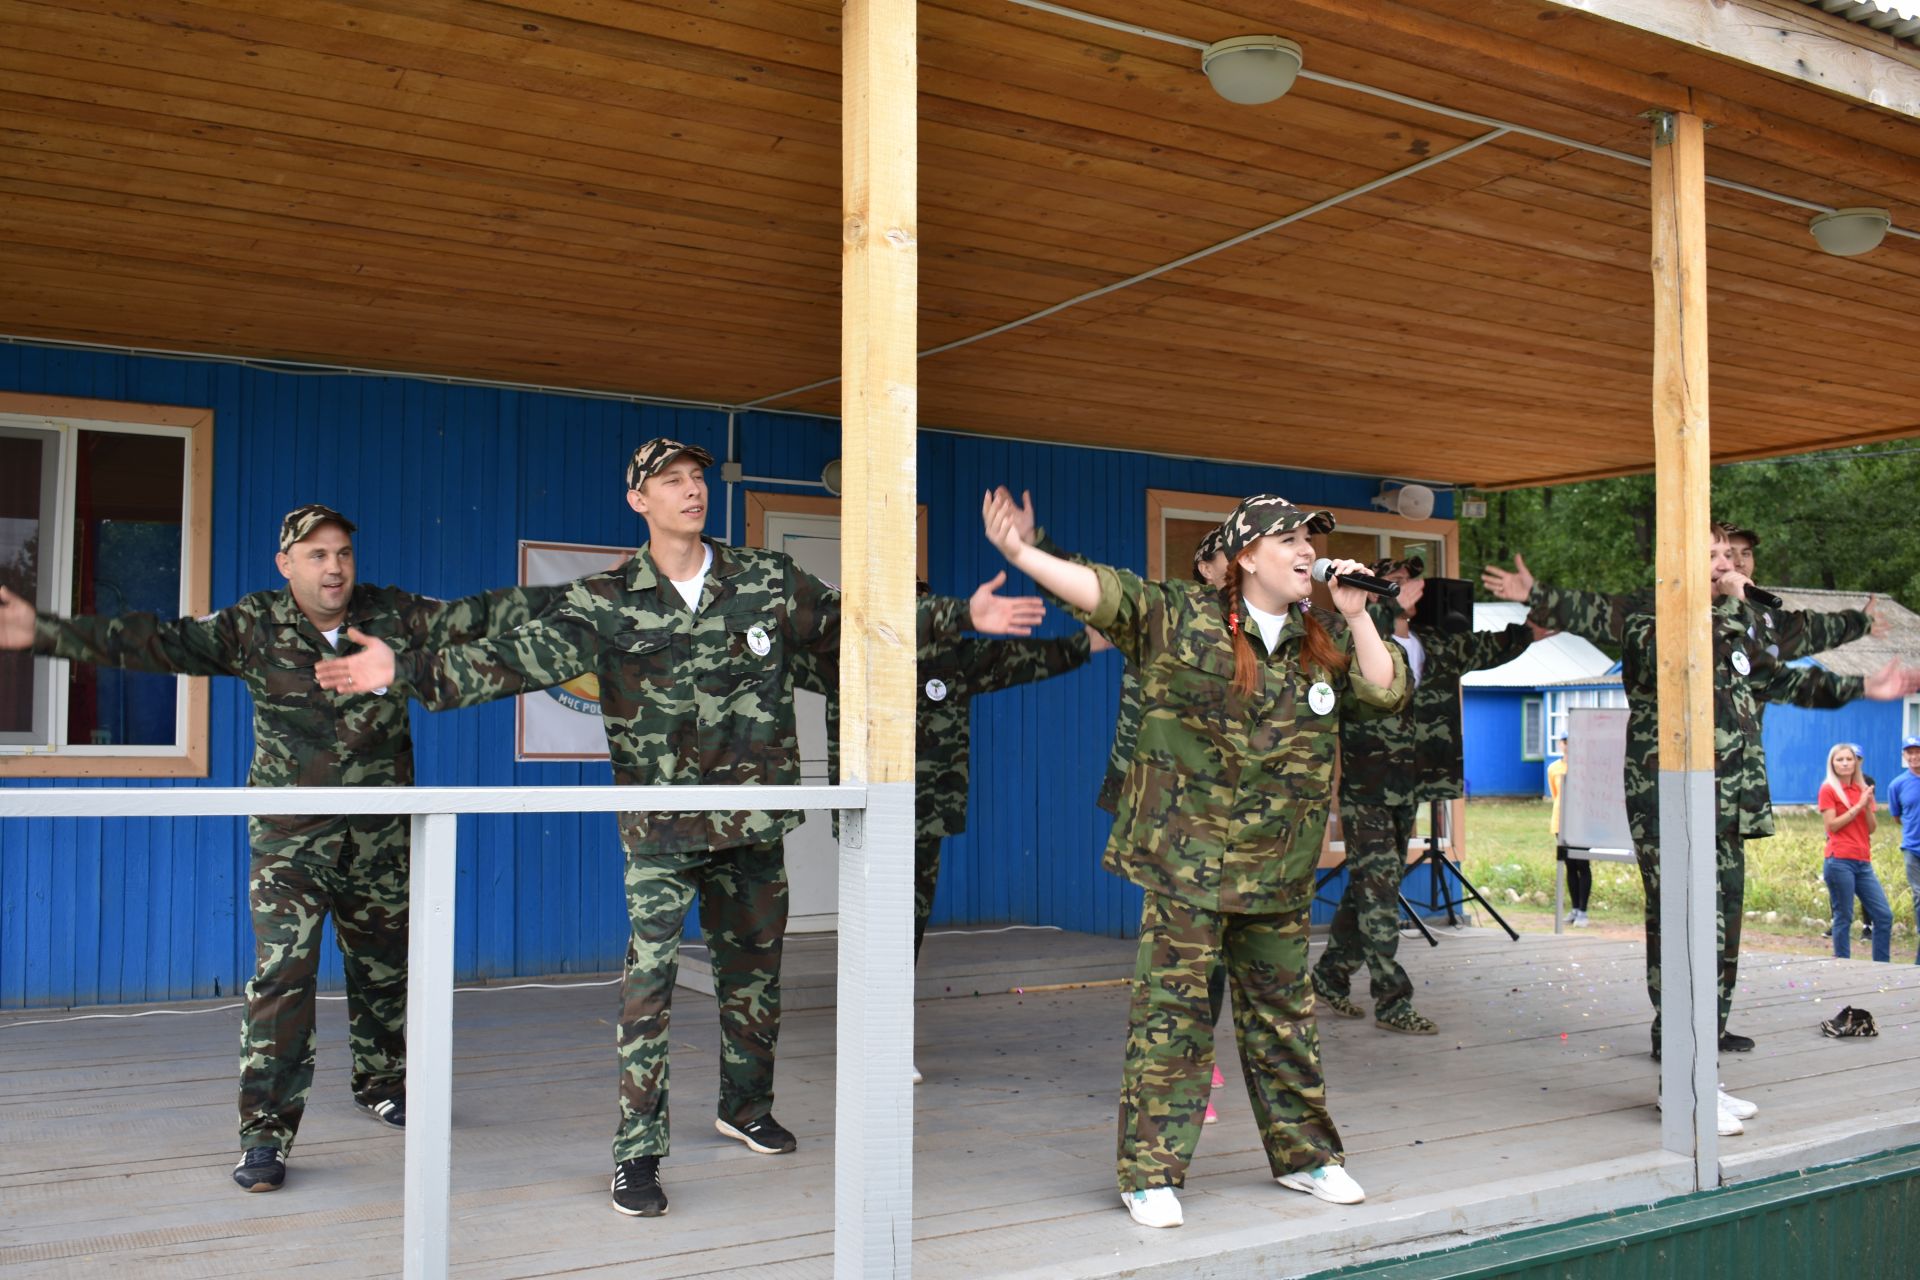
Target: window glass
29,472
127,518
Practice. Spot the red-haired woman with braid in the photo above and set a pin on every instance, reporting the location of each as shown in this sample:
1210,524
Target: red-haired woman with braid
1243,689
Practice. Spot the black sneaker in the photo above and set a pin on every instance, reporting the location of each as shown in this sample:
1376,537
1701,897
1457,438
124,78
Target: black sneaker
1731,1043
765,1135
391,1112
260,1169
636,1188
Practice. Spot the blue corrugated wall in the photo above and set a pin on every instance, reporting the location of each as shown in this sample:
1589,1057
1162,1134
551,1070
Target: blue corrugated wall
1798,739
444,480
1490,733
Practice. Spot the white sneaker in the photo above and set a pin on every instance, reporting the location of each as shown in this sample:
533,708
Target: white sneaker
917,1077
1579,919
1330,1182
1738,1108
1572,917
1730,1126
1154,1207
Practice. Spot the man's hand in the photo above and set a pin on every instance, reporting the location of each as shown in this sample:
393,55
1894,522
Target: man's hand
1097,643
1004,615
1893,681
1411,589
367,671
1023,516
1732,583
1539,632
1880,625
1516,585
16,621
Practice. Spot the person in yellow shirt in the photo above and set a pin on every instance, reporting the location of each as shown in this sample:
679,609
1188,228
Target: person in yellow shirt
1579,870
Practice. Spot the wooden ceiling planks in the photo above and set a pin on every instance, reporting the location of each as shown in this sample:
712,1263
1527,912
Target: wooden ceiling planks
645,198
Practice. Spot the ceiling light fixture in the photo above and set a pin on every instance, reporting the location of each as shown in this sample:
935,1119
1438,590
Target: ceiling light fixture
1846,233
1251,69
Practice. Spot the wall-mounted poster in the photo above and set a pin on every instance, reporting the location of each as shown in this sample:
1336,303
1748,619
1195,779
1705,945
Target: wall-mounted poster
562,723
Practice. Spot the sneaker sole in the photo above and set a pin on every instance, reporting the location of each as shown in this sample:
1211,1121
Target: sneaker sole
1406,1031
639,1213
726,1130
1151,1226
262,1186
1312,1188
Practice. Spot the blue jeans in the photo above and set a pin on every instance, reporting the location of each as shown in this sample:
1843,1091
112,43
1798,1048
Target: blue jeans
1913,887
1848,878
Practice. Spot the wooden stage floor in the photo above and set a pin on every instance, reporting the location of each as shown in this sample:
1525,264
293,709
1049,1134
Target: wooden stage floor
1534,1104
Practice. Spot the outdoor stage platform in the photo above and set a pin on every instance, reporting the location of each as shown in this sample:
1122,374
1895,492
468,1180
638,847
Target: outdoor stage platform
1534,1105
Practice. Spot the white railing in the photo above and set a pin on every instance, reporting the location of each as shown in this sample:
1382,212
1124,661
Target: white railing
434,810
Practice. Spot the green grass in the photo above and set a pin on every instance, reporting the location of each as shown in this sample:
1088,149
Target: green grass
1509,852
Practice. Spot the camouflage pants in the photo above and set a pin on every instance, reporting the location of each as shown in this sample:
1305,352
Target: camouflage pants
366,893
1730,875
1366,928
1164,1087
743,917
926,878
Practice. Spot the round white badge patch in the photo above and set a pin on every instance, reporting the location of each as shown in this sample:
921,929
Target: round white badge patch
1740,662
758,640
1320,698
937,690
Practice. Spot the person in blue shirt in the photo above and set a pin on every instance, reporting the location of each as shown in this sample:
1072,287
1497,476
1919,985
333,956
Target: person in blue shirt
1903,802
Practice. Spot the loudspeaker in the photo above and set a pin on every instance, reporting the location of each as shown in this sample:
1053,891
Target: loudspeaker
1447,605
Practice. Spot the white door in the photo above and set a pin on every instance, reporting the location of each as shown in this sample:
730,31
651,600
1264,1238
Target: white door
813,855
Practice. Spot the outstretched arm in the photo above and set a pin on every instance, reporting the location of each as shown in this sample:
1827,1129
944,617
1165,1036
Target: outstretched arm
1076,585
208,646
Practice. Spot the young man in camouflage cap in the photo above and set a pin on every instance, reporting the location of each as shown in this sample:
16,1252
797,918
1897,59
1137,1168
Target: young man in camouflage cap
1747,674
1389,767
305,868
694,643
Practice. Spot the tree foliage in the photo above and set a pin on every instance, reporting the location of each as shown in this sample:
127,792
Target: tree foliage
1842,520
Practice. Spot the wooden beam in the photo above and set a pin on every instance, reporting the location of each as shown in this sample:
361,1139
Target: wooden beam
1782,37
1683,636
873,1150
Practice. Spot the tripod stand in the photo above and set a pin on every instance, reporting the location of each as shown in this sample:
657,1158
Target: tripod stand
1406,908
1439,868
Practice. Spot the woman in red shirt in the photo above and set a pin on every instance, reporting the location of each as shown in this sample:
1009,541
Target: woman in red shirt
1846,802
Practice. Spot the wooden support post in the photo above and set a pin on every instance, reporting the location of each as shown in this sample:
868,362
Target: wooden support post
1689,954
873,1105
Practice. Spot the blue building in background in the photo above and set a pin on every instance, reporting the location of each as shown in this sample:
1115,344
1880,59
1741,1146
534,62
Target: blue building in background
445,479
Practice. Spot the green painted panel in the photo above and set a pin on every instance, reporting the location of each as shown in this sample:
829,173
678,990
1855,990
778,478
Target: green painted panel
1861,1218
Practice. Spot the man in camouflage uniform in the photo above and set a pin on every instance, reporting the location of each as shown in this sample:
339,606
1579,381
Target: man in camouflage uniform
303,868
1389,767
1746,675
694,645
952,671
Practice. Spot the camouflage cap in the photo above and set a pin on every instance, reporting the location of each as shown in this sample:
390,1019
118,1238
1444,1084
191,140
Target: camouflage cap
655,454
1732,531
1213,544
302,521
1414,565
1264,513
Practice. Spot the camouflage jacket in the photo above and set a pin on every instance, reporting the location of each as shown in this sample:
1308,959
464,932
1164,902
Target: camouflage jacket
686,697
303,736
1415,756
1745,676
1225,800
1787,634
952,672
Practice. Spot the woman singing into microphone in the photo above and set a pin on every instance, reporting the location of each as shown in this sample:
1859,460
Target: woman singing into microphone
1243,690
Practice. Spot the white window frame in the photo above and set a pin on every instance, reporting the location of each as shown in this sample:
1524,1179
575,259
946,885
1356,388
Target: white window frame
1531,747
1561,701
65,419
1910,717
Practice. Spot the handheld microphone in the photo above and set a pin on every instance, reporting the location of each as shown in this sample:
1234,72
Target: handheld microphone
1765,599
1358,581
